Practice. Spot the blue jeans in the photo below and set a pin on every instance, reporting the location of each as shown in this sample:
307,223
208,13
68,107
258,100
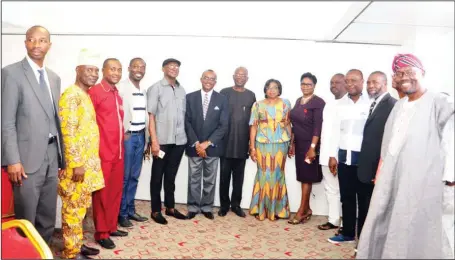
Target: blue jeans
134,149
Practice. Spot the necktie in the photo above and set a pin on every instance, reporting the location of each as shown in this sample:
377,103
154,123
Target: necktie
372,107
43,86
205,106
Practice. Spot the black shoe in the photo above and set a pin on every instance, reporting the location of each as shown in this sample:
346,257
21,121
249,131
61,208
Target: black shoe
176,214
138,218
222,212
119,233
81,256
208,215
191,215
106,243
124,222
239,212
85,250
159,218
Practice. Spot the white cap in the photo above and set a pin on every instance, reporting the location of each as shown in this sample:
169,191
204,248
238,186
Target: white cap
89,58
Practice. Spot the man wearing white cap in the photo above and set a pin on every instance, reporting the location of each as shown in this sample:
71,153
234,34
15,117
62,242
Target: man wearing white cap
81,141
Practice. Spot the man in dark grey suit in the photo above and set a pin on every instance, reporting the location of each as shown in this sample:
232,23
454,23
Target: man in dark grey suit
31,137
206,124
372,139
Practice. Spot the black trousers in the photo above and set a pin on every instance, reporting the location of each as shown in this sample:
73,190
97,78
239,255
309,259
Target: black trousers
167,167
236,167
352,191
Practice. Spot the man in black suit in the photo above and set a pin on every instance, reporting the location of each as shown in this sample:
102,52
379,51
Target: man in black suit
372,139
206,124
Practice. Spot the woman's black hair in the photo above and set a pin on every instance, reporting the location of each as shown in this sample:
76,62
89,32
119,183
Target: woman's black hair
310,76
277,82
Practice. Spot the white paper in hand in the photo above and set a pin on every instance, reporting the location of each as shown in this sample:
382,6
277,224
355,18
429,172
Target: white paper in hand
161,154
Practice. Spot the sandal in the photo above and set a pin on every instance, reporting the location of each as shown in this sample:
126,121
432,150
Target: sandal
307,216
327,226
295,221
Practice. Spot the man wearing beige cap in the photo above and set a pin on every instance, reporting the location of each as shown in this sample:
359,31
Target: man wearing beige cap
81,141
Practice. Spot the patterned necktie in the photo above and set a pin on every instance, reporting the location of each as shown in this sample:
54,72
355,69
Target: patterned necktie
372,107
205,106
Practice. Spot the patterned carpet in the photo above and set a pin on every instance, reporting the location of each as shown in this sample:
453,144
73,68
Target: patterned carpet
228,237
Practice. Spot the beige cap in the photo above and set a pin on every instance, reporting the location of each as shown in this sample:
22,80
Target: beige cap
89,58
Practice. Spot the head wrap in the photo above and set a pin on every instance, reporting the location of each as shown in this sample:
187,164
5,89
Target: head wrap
89,58
406,60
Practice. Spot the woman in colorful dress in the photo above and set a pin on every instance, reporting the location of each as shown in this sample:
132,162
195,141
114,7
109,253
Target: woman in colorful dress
269,142
306,118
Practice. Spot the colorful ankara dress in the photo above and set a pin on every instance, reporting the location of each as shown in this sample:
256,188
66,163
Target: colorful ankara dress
270,199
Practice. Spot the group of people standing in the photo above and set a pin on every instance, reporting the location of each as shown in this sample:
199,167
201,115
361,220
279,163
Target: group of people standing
88,146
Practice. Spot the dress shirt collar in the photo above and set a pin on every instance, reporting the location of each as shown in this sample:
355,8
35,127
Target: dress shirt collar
34,66
378,99
209,94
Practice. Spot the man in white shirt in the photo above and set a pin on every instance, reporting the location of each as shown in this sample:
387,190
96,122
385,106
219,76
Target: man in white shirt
135,125
331,185
411,211
349,121
32,146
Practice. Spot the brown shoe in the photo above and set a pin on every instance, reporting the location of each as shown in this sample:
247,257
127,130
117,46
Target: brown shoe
327,226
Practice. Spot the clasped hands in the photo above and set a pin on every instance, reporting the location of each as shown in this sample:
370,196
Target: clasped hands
201,148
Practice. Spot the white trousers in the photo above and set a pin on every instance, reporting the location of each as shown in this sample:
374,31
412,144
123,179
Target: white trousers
448,222
332,191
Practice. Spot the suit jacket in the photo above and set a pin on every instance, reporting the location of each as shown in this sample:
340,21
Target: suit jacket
213,128
125,90
370,152
25,133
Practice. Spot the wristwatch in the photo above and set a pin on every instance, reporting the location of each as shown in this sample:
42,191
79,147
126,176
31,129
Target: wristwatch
313,145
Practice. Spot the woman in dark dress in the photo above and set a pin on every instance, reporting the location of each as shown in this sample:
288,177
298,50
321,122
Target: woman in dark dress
306,119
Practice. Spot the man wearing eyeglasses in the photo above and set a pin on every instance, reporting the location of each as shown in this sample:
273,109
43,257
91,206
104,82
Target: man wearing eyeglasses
412,207
233,161
166,104
206,124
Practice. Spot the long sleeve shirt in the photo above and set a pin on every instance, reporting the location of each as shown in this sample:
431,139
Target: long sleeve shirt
109,116
348,124
81,141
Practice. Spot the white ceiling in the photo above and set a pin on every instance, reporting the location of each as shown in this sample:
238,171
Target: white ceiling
357,22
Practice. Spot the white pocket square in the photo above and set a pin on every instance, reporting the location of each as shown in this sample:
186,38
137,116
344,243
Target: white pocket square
217,108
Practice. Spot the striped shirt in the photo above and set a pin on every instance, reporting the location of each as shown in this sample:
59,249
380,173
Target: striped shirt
348,124
139,112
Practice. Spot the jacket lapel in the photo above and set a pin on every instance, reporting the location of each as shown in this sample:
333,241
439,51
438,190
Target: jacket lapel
378,107
211,107
199,111
53,83
43,96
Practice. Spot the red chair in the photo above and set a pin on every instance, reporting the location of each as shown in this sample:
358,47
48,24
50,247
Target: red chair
15,246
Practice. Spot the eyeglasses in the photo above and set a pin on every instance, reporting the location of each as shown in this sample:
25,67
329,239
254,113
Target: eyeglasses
172,66
409,73
209,79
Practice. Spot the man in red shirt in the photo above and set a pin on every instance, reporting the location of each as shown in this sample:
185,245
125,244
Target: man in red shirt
109,117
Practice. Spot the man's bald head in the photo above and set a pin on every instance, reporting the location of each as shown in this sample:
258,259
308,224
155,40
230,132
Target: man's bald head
240,77
35,28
